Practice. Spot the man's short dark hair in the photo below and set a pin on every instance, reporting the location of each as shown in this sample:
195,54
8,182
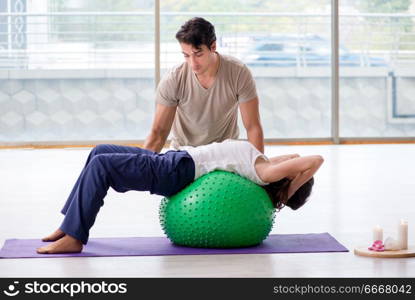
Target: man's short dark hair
197,32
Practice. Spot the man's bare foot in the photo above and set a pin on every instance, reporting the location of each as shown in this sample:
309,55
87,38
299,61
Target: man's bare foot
54,236
66,244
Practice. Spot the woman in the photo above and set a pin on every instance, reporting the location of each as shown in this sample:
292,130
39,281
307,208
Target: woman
287,179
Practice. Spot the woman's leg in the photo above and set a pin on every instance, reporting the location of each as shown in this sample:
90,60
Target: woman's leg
99,149
103,149
122,172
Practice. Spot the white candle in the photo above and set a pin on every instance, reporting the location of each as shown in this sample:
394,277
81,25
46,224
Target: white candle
377,233
403,235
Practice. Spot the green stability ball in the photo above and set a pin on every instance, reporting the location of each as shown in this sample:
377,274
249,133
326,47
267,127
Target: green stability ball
218,210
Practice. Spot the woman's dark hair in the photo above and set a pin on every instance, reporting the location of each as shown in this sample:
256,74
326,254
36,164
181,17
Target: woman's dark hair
278,192
197,32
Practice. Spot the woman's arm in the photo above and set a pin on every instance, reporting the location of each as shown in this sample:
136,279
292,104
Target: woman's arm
305,176
281,158
299,168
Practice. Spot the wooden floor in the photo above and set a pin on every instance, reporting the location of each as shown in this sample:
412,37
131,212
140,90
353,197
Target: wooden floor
358,187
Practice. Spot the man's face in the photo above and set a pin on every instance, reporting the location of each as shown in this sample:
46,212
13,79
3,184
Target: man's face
198,59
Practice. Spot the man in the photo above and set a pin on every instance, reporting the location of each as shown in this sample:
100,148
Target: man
200,98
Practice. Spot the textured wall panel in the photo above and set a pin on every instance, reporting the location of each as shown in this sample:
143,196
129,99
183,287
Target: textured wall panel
88,109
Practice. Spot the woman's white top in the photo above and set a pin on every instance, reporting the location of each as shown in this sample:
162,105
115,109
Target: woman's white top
230,155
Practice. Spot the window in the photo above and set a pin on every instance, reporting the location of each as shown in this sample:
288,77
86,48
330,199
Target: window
293,85
377,85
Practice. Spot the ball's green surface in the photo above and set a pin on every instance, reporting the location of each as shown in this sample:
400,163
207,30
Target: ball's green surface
218,210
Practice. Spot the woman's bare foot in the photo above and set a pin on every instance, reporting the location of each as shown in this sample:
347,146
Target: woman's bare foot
54,236
66,244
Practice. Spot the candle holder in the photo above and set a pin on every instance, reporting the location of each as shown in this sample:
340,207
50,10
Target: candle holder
391,248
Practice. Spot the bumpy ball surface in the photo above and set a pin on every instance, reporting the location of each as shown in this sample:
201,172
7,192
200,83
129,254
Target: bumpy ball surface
218,210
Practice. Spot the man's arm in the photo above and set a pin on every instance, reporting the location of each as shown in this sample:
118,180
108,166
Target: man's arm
160,129
251,120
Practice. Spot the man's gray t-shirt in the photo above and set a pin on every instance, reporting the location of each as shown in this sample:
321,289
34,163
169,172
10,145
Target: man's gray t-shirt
205,115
